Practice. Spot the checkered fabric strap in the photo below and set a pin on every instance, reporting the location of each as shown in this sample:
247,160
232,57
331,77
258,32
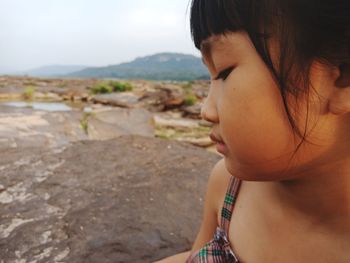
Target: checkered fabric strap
229,203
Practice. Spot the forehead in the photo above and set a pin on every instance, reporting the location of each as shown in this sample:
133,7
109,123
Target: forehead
229,42
213,42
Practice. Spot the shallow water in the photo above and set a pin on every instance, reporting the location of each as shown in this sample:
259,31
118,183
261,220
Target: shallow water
46,106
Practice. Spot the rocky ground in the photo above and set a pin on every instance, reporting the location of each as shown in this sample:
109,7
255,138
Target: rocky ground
166,110
132,199
119,178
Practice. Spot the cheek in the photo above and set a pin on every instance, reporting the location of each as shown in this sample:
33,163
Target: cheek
256,128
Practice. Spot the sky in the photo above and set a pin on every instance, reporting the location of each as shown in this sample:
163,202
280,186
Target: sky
35,33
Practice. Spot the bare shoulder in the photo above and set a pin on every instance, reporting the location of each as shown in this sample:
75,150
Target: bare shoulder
216,189
217,185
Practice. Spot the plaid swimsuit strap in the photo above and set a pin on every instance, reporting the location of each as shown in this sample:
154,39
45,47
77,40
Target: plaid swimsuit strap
222,232
229,203
218,249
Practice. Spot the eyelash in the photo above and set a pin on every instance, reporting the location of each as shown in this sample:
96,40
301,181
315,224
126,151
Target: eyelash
224,74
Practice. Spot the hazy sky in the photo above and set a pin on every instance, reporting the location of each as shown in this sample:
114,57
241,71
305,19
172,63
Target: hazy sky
90,32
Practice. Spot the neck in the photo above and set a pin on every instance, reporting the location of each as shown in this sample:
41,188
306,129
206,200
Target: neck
321,197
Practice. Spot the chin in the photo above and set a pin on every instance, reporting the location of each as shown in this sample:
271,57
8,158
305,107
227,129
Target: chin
250,173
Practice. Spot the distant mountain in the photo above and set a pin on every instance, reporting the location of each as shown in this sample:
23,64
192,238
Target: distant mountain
162,66
52,70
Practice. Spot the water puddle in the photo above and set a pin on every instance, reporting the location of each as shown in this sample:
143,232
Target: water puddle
46,106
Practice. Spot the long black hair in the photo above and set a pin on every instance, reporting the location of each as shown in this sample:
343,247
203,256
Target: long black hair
306,30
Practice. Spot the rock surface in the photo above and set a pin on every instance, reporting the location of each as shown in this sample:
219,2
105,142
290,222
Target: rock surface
25,127
131,199
193,111
179,123
124,100
113,123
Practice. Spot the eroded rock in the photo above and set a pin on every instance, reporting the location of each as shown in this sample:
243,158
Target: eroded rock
132,199
112,123
177,123
124,100
163,98
193,111
25,127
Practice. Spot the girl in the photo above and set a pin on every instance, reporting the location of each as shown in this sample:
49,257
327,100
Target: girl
279,102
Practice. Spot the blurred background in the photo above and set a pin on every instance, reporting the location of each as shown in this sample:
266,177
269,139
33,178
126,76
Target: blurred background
104,155
91,33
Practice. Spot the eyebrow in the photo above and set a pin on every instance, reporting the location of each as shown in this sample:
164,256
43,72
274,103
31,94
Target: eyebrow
203,60
208,61
206,47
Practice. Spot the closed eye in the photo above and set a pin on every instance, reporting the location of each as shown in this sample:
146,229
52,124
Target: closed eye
224,73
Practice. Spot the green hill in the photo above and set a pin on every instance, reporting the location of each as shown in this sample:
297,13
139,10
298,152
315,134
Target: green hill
162,66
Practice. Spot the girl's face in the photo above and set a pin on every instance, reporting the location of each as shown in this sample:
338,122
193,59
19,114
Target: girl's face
245,105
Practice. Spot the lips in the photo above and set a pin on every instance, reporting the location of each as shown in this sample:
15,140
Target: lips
220,145
216,139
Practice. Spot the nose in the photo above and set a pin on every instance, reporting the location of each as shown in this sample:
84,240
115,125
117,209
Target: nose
209,109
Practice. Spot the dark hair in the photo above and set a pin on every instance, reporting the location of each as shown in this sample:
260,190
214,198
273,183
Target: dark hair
306,30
